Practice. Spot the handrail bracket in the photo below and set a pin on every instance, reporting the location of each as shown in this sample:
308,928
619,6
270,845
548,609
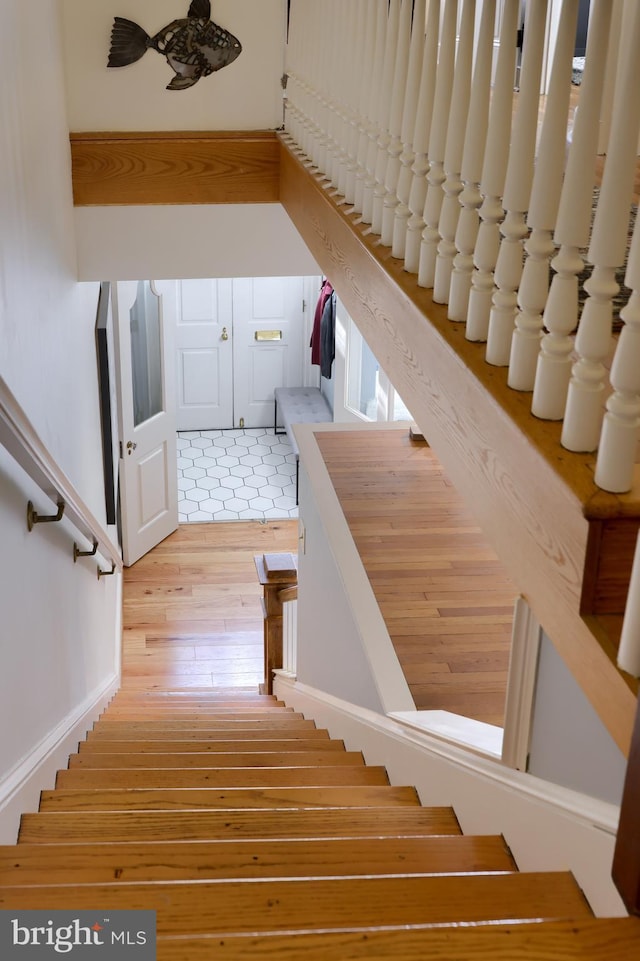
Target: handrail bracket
34,518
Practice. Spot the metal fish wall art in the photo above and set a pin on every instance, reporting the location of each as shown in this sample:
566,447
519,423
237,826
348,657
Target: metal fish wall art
194,46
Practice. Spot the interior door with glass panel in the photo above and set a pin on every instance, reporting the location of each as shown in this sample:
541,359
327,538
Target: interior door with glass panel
144,326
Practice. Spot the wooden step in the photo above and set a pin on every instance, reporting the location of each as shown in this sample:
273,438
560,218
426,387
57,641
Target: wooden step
210,799
200,745
198,712
315,904
202,754
202,758
230,697
194,734
220,825
590,939
247,777
192,860
281,722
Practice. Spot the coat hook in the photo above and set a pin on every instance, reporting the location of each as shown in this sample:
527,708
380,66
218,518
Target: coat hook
34,518
107,573
78,553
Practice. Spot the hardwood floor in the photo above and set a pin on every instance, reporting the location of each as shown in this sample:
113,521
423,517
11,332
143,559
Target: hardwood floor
446,600
192,613
192,606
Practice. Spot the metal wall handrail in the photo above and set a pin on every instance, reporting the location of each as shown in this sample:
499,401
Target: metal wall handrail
20,439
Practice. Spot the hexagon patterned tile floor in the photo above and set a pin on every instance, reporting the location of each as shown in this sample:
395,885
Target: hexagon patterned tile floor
231,475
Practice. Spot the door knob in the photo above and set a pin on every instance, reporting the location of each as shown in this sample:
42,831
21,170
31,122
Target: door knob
224,335
131,446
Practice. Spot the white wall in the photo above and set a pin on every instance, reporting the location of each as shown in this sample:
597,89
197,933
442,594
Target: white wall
58,624
245,95
329,654
569,743
343,643
218,240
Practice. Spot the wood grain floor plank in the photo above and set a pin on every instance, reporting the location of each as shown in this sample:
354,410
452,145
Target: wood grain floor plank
587,940
238,798
191,860
246,777
202,758
317,904
82,826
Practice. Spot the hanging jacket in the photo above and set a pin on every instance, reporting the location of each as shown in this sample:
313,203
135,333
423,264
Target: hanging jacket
328,336
325,293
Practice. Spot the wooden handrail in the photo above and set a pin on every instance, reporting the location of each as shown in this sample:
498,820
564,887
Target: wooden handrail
20,439
288,594
626,859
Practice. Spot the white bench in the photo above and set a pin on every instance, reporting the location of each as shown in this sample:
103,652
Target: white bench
299,405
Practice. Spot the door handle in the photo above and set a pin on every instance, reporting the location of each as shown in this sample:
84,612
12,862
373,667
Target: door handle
131,447
224,335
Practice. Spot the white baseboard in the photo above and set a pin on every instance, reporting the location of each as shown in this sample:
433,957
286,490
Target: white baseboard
547,827
20,789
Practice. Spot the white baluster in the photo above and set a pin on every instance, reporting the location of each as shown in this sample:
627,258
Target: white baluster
350,42
517,189
351,53
471,171
452,186
573,226
424,112
407,157
583,414
365,27
389,100
621,427
545,197
376,18
493,177
437,144
398,178
381,71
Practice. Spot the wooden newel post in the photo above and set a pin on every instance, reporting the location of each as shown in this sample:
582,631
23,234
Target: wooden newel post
626,860
275,572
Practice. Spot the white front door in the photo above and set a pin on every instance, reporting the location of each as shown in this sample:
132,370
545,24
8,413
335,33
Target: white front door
144,323
269,329
204,345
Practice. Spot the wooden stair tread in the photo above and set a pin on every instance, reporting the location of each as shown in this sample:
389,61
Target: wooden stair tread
204,743
189,799
210,825
312,904
211,734
197,712
83,778
165,860
142,701
591,939
203,754
280,723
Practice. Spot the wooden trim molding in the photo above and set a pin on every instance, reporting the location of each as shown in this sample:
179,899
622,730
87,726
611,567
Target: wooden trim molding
175,168
523,670
531,499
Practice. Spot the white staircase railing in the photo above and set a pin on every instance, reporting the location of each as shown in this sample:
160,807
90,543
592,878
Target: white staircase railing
428,155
